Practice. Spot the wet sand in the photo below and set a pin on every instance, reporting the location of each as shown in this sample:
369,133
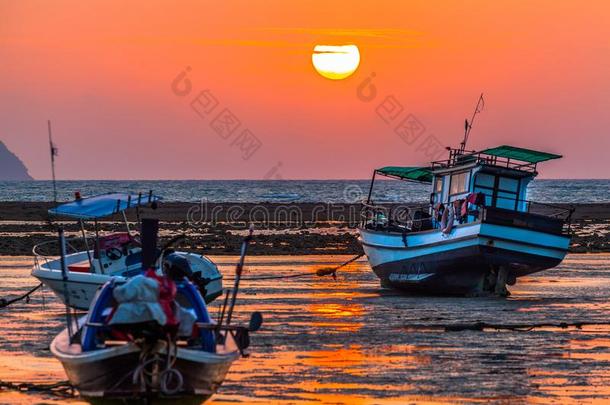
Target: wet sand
348,341
282,229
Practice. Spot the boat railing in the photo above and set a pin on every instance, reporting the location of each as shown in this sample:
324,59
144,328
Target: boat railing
417,217
549,210
544,209
47,251
457,158
399,216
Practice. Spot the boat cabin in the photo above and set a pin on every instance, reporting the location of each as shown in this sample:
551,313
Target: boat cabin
495,178
501,174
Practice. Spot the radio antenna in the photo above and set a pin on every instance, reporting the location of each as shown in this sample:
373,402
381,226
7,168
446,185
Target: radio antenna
53,151
468,125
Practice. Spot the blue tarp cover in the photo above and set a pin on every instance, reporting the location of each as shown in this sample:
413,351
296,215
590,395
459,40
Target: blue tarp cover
101,205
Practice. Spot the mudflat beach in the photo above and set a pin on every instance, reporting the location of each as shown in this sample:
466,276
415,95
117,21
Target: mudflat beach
282,228
349,341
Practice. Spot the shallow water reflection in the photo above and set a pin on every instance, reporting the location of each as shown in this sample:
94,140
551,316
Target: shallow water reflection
348,341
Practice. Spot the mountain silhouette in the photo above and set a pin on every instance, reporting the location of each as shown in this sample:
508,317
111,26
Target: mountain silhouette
11,167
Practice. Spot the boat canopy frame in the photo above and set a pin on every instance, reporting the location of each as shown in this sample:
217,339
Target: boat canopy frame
99,207
418,174
102,206
505,156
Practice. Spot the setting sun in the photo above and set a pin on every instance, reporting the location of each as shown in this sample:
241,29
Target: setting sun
311,202
335,62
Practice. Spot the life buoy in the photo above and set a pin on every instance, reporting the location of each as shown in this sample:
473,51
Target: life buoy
448,219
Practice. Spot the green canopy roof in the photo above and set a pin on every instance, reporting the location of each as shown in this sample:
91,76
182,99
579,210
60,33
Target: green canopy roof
524,155
422,174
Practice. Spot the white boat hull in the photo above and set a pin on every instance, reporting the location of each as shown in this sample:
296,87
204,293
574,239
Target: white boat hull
108,372
459,262
79,289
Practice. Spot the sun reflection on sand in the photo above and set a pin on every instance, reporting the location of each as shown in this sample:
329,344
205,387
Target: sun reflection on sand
20,366
335,361
333,306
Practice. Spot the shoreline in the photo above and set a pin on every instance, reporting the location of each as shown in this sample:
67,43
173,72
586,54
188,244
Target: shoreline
281,228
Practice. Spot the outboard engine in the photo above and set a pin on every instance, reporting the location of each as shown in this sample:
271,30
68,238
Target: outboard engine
177,267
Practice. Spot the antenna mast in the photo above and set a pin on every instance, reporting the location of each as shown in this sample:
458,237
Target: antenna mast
53,151
468,125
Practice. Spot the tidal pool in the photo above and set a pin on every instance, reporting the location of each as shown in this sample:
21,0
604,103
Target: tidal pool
349,341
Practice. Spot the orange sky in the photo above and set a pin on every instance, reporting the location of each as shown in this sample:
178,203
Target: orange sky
102,72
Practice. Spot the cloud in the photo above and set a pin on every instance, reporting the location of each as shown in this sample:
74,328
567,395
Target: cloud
374,37
388,33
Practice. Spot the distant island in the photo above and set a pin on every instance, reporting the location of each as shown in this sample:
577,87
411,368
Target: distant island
11,167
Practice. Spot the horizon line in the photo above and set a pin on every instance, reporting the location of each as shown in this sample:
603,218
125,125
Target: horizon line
308,179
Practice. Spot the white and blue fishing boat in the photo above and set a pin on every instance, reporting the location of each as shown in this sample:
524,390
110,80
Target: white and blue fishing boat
478,233
94,260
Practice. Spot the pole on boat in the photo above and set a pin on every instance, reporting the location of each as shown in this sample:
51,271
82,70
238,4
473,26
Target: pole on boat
468,125
64,276
53,151
149,234
82,228
124,213
368,199
138,209
97,246
223,311
126,222
238,271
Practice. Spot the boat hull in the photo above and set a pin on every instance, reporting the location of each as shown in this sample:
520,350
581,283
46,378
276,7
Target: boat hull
108,373
463,262
79,289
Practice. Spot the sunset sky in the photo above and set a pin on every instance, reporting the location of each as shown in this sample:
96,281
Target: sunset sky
102,72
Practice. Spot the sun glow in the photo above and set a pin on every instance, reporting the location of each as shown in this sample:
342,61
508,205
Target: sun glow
335,62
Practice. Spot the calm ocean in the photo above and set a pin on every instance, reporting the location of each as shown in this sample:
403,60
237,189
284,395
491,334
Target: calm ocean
558,191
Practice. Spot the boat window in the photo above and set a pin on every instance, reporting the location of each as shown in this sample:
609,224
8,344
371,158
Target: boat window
488,195
507,184
459,183
438,185
506,200
484,183
485,180
437,191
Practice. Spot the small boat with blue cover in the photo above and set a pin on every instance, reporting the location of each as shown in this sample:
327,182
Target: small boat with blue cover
93,261
479,231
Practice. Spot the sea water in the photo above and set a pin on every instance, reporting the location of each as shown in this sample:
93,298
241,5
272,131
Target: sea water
301,191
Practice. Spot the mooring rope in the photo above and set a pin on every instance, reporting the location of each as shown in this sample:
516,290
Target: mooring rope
6,302
171,374
61,389
519,327
320,272
170,379
306,274
333,271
